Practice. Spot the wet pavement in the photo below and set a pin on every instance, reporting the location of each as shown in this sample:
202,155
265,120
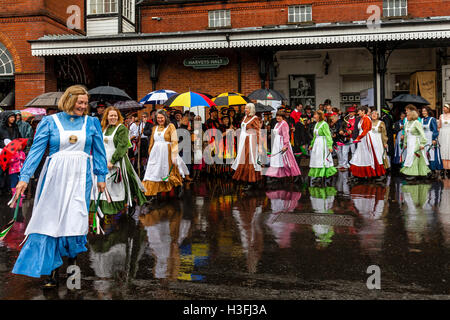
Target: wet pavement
285,241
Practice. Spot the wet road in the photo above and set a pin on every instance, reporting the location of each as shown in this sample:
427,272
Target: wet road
280,242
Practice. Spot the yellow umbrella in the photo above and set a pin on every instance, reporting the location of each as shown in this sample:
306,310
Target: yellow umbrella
230,99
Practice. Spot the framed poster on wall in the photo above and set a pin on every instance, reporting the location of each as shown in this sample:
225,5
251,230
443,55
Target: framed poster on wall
302,89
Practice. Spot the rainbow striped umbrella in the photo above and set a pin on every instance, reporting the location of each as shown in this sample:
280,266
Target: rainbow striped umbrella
189,99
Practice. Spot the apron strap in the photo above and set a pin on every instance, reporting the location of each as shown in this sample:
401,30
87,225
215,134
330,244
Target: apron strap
57,122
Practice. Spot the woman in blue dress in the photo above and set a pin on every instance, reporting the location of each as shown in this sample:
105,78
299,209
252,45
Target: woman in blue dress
399,130
430,128
76,167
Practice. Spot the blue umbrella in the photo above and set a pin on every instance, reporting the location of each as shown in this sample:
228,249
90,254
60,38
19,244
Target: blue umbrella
157,97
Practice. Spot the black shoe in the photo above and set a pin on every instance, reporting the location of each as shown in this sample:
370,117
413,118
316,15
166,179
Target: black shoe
152,200
248,187
72,261
52,281
180,192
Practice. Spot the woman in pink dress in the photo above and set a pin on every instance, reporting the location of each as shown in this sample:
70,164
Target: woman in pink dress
282,160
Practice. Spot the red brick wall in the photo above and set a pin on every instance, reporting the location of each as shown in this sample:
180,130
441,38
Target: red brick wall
257,13
175,76
30,72
59,9
20,7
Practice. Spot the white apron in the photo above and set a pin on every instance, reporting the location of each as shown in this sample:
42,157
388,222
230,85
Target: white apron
413,143
61,209
276,160
158,160
320,156
429,136
115,190
253,152
363,156
377,142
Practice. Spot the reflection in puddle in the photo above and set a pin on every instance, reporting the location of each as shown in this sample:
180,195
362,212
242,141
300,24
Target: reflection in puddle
217,235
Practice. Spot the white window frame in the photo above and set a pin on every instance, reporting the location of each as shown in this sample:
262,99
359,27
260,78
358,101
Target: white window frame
395,8
219,18
103,6
128,7
6,62
300,13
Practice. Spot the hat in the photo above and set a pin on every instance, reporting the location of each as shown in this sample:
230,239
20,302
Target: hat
351,109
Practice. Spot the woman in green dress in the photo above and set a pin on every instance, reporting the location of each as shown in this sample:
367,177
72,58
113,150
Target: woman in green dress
321,161
416,161
122,182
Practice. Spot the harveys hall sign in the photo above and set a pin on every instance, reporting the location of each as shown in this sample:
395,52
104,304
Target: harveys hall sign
206,62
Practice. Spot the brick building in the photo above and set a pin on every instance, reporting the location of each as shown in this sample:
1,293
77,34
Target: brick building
310,51
24,20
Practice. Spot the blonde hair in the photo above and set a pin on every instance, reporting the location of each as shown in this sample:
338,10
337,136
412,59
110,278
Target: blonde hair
413,114
67,102
321,115
105,122
251,108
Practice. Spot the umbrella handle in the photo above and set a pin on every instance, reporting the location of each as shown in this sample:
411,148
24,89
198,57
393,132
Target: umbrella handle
16,211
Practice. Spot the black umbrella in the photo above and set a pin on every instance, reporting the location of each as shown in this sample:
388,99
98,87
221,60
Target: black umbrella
266,94
45,100
95,104
129,105
108,93
259,107
410,98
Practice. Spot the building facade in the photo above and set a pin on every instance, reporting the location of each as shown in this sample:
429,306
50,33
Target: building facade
308,50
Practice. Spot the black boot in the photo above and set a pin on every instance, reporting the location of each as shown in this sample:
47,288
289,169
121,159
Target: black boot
447,173
52,281
72,261
180,192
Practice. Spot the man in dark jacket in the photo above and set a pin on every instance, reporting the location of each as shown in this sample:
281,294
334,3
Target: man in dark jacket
8,131
8,128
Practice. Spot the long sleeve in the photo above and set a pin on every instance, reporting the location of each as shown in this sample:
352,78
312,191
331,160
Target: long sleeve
434,128
172,131
285,134
40,142
99,152
384,136
121,144
366,127
419,128
325,131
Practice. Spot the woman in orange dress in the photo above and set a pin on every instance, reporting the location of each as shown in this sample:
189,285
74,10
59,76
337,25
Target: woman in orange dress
246,164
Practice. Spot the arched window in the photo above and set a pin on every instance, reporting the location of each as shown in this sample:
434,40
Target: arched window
6,62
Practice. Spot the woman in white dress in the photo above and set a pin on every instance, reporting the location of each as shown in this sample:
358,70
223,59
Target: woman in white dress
162,174
364,163
444,138
379,139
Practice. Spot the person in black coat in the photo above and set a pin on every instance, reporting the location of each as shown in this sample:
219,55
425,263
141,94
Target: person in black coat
388,120
8,128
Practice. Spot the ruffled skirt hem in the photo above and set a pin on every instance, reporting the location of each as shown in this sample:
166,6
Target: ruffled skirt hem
41,254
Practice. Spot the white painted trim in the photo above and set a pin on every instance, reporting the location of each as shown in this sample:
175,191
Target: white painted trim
239,39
